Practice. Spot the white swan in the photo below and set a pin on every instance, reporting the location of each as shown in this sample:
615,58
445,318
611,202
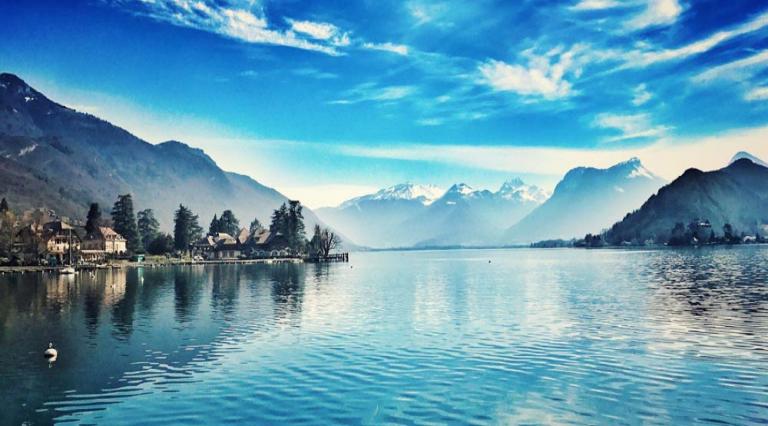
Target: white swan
50,352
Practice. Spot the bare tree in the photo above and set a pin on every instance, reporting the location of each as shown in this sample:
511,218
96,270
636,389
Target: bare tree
325,241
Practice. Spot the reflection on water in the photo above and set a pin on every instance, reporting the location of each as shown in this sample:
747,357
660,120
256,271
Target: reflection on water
538,336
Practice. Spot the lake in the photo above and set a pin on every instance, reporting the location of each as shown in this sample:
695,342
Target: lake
443,337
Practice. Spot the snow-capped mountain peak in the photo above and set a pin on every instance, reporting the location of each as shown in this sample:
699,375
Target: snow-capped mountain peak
461,188
516,189
426,194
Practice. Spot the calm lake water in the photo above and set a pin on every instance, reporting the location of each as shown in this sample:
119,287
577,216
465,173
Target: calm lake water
534,336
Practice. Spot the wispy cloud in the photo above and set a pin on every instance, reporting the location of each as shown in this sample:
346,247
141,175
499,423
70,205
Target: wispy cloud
656,13
640,59
321,31
369,92
757,94
399,49
641,95
735,70
633,126
583,5
241,20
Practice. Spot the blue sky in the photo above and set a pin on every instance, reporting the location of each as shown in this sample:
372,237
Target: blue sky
329,99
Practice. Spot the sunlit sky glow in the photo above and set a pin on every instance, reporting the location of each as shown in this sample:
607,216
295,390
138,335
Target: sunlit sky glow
325,100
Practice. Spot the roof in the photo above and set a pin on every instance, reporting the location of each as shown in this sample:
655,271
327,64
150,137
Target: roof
243,235
262,237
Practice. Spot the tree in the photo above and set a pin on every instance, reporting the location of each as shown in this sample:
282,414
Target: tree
324,241
215,225
295,225
149,228
678,236
93,221
163,243
279,220
124,222
255,226
228,223
7,228
729,235
186,229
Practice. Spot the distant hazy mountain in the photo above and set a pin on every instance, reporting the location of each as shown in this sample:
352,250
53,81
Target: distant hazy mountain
737,194
373,220
416,215
53,156
741,154
587,200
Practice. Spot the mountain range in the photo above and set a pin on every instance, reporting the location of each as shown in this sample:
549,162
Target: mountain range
736,194
585,200
55,157
408,214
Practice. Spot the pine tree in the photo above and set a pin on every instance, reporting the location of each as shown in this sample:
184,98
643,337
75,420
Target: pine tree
148,227
4,206
296,233
124,222
228,223
255,226
93,221
214,227
186,229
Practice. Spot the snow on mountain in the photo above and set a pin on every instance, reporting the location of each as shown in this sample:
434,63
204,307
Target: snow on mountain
518,190
587,199
425,194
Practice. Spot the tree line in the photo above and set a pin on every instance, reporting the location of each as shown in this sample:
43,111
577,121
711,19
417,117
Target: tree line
142,230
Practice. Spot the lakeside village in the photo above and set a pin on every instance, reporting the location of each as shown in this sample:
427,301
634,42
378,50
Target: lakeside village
40,238
698,232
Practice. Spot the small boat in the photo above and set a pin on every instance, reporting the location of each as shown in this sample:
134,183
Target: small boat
67,270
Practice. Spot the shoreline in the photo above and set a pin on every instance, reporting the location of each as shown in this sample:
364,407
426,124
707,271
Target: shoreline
150,264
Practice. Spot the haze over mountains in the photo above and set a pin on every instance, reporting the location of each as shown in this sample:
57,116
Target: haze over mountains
55,157
587,200
408,215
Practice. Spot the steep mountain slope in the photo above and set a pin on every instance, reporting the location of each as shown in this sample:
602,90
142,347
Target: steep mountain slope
410,215
737,194
586,200
59,158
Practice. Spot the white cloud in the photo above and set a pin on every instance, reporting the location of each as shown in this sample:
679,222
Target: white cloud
666,157
757,94
595,5
736,70
542,76
639,59
241,20
656,13
641,95
321,31
399,49
632,126
368,92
